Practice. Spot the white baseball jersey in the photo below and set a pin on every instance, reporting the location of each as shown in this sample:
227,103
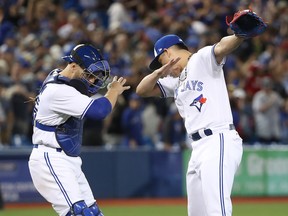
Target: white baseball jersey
200,93
56,104
202,100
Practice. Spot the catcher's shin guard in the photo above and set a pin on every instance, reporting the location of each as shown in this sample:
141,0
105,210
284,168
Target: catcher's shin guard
80,209
95,209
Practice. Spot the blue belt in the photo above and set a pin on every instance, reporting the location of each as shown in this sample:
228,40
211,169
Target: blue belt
207,132
56,149
45,127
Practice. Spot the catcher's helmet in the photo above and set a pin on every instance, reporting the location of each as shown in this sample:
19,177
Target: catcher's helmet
93,64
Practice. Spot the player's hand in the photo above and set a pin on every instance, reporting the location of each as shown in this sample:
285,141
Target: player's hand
118,85
165,70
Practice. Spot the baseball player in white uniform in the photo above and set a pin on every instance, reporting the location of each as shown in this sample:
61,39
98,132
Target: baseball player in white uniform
196,81
62,104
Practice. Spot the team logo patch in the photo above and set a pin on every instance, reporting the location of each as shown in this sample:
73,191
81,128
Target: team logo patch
198,102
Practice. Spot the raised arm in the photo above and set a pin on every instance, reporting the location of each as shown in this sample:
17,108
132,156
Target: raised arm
244,24
226,45
148,85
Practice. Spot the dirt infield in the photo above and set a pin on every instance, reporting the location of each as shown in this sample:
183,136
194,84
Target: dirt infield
155,201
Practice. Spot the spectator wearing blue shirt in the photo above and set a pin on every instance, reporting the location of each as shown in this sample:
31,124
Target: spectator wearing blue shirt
173,134
132,123
6,26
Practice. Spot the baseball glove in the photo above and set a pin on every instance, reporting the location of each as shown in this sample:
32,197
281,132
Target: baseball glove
246,24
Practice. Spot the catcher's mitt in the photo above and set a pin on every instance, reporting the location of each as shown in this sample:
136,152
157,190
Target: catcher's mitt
246,24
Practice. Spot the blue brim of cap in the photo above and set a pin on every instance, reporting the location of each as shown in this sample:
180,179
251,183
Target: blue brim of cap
155,64
68,59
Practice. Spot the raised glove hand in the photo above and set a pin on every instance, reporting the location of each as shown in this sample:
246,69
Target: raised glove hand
246,24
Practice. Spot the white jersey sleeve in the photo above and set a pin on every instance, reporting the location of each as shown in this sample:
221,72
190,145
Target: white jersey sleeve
208,57
75,104
167,86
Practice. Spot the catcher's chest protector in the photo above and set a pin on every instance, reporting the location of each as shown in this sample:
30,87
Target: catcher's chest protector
69,134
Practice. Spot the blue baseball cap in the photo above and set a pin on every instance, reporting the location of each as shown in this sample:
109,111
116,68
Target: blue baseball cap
161,44
84,55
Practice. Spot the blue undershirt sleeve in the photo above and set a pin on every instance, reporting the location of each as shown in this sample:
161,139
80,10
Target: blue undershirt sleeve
99,109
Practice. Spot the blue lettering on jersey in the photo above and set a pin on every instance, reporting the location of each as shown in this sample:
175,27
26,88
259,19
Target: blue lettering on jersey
35,109
199,86
37,101
194,85
190,85
187,86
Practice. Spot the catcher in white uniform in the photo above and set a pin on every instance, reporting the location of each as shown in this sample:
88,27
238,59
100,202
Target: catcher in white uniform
63,101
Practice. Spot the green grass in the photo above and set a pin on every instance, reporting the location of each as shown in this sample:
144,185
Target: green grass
28,212
260,209
145,211
240,209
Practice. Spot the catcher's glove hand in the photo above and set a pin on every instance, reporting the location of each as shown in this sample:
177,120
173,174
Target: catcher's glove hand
246,24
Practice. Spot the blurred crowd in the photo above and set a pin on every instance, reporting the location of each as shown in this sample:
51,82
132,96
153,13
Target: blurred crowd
35,34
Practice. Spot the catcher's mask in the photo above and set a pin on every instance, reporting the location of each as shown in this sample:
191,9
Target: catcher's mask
93,64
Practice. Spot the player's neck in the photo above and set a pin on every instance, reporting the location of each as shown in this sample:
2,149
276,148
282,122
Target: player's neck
186,57
70,71
65,72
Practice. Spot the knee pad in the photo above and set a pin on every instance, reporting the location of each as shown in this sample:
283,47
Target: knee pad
95,209
80,209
